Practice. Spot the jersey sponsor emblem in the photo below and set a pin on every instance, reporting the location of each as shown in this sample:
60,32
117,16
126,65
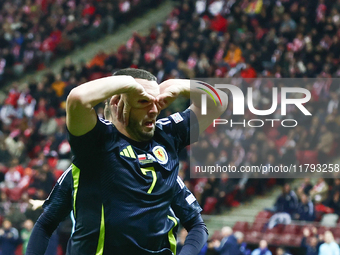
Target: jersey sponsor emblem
146,158
160,154
141,157
190,199
176,117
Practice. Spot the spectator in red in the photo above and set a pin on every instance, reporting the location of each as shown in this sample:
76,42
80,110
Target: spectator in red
219,24
248,72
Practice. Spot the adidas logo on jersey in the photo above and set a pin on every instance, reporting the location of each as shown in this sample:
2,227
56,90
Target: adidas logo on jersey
128,152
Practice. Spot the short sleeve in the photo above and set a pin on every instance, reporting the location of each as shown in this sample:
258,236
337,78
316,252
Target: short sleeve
59,202
184,203
97,138
182,126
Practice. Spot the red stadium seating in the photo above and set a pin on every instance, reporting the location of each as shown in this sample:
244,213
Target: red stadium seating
271,238
241,226
278,229
307,157
263,215
296,241
336,232
323,229
286,239
217,235
18,250
250,191
271,182
292,229
210,204
257,226
253,237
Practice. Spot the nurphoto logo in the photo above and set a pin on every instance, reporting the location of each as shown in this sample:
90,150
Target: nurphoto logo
239,103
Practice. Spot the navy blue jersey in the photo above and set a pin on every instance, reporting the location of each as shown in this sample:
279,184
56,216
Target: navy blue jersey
59,204
123,189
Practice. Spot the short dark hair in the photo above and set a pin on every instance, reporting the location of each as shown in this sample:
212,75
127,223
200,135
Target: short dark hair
136,73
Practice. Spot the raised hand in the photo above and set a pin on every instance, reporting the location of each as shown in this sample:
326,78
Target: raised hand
136,97
169,91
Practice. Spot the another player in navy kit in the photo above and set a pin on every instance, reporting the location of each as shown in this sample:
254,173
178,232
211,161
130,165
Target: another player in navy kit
124,174
59,205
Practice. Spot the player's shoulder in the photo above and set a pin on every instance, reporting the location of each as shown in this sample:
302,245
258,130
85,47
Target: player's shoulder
106,127
174,119
66,175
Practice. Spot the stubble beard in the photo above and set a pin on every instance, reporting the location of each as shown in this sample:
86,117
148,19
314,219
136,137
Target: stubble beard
135,129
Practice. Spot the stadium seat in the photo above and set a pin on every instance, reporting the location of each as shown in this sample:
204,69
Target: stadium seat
296,241
257,226
270,238
253,237
235,203
323,229
263,215
96,75
18,250
336,232
210,204
229,199
286,239
292,229
278,229
241,226
307,157
250,191
271,182
217,235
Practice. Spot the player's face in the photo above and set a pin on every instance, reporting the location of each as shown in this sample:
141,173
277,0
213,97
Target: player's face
142,121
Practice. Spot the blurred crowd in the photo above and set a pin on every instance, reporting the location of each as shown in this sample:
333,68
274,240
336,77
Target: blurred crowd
35,31
228,241
249,39
303,220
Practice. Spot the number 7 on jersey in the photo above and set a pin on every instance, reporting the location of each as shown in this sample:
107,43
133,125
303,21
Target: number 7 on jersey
154,176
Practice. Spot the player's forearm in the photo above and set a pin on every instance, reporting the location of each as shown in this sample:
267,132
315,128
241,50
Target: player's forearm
38,241
196,238
92,93
193,89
